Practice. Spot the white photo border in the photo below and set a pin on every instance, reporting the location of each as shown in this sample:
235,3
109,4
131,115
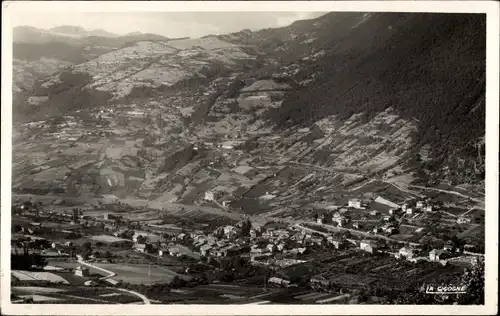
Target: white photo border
490,8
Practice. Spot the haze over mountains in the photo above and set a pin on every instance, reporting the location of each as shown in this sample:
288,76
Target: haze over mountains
33,34
399,97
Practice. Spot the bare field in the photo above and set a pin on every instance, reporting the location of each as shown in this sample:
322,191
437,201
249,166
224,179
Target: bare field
141,273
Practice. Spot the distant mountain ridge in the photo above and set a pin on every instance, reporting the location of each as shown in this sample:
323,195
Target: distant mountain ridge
81,32
68,33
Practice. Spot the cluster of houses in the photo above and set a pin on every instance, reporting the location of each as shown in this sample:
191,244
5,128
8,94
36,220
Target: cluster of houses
261,243
417,255
225,241
388,228
338,217
412,253
411,208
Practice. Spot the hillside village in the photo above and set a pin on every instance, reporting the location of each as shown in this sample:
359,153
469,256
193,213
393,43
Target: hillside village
72,243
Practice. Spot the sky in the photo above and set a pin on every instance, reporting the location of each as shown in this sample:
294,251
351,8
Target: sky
170,24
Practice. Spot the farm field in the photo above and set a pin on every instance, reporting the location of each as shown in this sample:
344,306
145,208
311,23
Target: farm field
74,295
213,293
108,239
141,273
22,275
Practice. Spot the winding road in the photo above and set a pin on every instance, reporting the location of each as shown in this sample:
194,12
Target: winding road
108,277
353,231
449,192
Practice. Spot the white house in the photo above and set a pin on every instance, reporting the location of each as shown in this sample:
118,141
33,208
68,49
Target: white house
271,247
409,211
464,220
204,250
281,246
390,230
368,246
448,247
337,243
354,203
228,229
253,233
321,219
407,253
232,234
420,204
210,196
339,219
436,254
82,271
140,247
182,236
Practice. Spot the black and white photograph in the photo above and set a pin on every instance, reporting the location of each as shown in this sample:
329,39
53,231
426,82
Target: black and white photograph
191,157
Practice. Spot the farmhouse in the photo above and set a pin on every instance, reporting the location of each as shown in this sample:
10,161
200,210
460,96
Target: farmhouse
337,243
390,230
205,249
140,247
298,251
321,219
82,271
407,253
255,250
436,254
145,236
271,247
393,211
281,246
210,196
339,219
368,246
162,252
182,236
354,203
429,208
448,247
464,220
230,231
254,233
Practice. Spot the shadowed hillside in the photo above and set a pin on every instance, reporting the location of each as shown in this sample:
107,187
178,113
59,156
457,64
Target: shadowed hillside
429,67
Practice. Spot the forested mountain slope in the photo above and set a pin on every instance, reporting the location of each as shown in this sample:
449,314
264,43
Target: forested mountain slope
396,87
